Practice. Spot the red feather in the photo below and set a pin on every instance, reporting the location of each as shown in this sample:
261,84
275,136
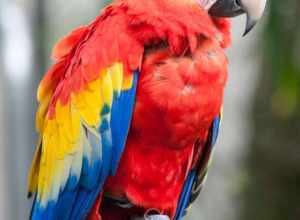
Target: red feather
64,46
180,89
177,99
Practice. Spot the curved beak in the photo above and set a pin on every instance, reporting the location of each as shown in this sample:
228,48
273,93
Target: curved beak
250,24
230,8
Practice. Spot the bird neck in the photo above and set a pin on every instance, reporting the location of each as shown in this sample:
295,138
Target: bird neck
205,4
176,19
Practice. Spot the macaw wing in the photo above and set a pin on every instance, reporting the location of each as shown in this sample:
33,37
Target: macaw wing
196,177
86,103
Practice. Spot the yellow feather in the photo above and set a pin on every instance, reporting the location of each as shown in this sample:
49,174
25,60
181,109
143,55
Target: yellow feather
78,101
93,94
84,103
34,170
63,140
95,85
127,82
57,179
90,116
41,112
42,92
67,166
47,171
75,125
62,137
107,88
116,72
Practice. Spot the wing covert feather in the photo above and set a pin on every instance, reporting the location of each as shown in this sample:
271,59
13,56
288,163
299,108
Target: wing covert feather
196,177
85,106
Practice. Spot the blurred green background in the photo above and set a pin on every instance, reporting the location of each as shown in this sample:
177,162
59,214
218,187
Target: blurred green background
256,170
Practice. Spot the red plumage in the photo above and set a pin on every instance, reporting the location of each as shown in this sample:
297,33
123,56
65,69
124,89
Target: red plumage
179,93
179,49
177,99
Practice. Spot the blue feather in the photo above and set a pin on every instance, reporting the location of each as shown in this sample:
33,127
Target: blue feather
59,209
185,195
113,130
215,130
87,195
37,212
122,111
91,168
192,177
101,156
64,205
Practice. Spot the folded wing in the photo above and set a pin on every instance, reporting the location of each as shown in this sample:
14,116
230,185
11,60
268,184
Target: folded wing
85,107
196,177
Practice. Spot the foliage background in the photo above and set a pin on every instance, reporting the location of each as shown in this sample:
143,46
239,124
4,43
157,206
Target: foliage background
272,189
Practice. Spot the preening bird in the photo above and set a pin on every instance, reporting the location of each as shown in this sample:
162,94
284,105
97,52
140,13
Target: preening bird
129,113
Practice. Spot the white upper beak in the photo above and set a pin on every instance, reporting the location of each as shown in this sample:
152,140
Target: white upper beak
254,10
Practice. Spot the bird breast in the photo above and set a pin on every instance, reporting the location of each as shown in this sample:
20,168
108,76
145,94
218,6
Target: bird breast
178,97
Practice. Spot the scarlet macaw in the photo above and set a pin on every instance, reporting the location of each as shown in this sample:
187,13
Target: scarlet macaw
129,113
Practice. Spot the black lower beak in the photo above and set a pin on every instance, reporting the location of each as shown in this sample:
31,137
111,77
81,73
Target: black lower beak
226,8
231,8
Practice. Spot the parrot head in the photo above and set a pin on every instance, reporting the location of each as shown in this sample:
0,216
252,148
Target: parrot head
230,8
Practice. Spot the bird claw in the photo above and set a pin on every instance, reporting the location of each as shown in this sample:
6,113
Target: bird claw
152,217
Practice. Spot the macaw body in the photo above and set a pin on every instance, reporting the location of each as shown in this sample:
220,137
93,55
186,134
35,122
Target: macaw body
130,112
177,100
